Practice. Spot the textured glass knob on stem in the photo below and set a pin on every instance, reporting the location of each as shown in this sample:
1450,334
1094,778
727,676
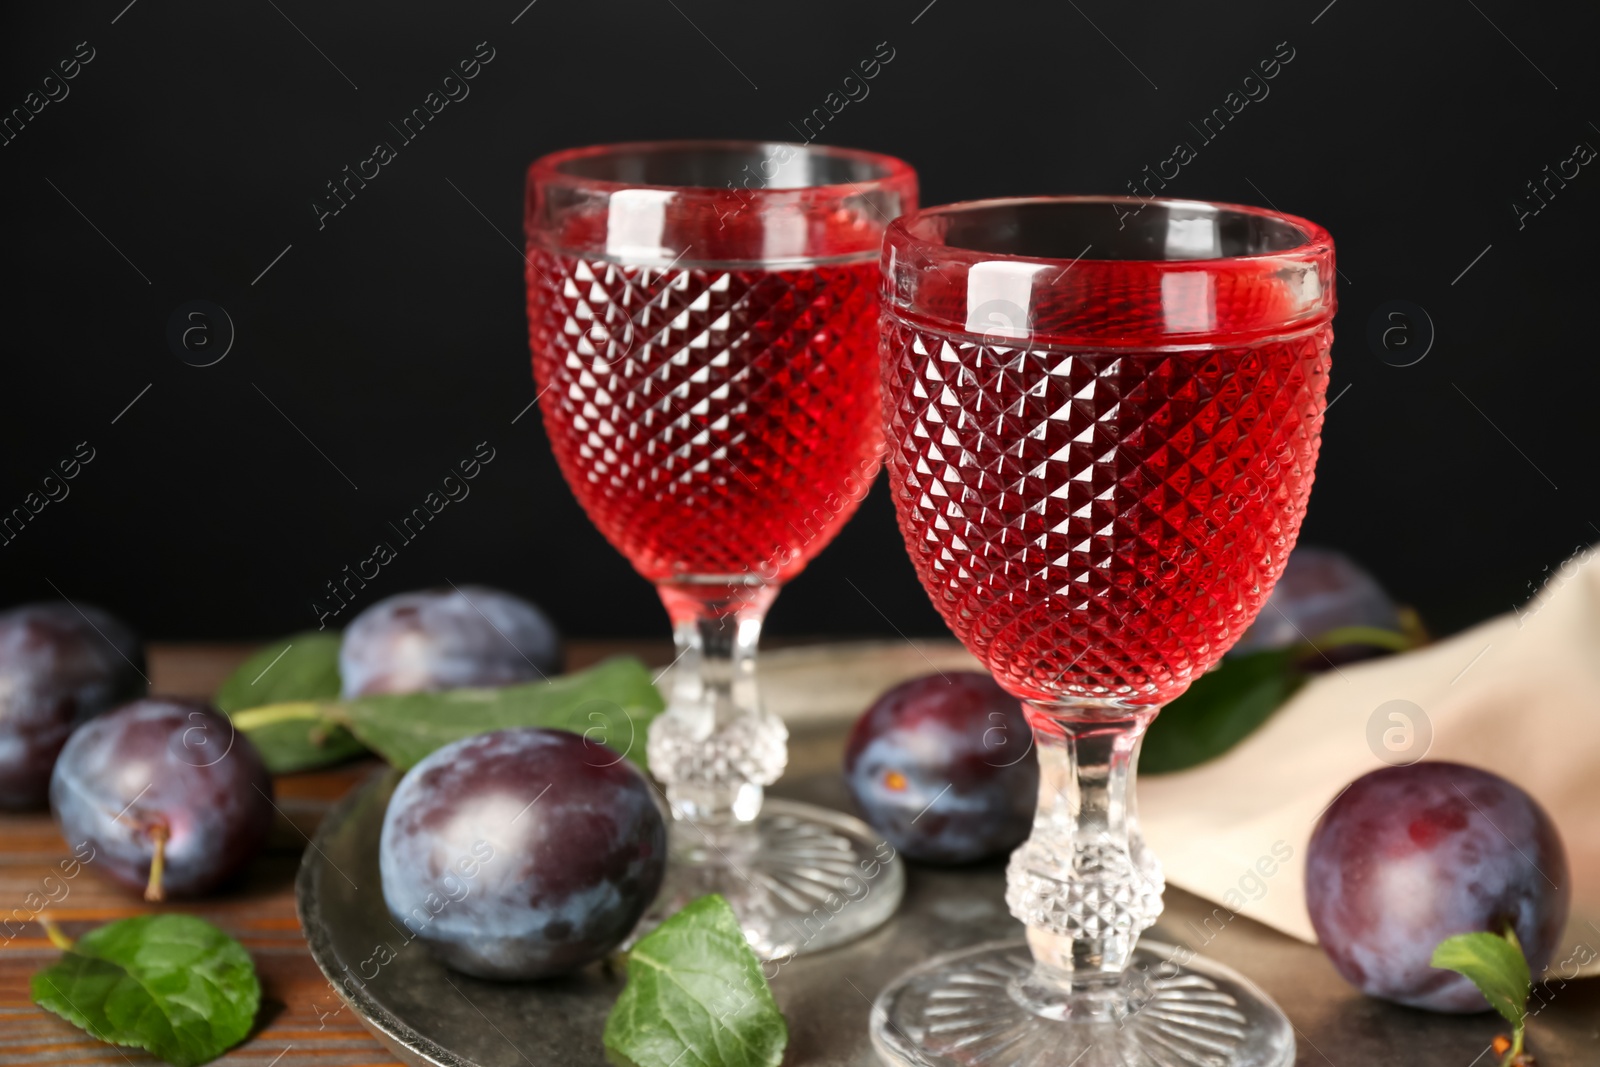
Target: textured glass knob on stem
715,749
799,880
1083,883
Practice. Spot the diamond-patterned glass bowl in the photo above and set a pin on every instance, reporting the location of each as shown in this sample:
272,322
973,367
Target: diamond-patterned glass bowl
1100,464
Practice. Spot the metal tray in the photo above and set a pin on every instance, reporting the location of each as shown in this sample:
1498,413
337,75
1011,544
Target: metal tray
428,1015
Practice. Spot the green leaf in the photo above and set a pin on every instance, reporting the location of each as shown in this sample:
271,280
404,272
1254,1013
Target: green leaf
612,703
1220,709
298,736
172,984
297,669
302,667
696,996
1496,966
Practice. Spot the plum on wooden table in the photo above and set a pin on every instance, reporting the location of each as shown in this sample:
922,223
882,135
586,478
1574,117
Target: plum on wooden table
60,665
172,799
436,639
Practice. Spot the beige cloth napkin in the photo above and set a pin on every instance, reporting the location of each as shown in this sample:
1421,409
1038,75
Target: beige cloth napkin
1518,695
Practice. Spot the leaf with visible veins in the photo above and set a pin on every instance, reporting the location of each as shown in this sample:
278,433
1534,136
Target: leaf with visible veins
696,996
173,985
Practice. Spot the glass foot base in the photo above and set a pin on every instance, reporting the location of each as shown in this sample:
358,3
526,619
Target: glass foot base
972,1008
806,879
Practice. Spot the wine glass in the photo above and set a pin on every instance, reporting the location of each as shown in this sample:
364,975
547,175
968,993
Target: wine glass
1103,416
703,320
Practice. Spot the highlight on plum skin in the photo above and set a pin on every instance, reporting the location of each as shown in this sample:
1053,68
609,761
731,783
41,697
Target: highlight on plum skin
943,767
521,853
60,665
171,798
1408,856
437,639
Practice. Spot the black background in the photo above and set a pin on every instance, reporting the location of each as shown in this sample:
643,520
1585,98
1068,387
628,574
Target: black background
197,139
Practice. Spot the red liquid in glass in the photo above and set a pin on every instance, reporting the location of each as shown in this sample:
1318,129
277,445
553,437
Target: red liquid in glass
1100,524
711,422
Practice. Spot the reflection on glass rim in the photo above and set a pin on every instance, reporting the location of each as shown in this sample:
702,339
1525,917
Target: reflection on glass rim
1108,228
721,165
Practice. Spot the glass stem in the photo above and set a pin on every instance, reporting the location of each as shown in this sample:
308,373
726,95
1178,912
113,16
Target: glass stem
715,749
1083,882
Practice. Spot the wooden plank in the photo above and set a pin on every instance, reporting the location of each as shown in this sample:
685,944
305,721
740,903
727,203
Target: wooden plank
303,1022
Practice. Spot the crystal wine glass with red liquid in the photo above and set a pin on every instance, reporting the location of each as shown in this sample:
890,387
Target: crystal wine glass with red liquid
704,325
1103,415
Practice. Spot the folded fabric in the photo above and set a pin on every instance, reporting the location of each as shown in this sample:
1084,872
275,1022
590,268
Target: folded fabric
1518,695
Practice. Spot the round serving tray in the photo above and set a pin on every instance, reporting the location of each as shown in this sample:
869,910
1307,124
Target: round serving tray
428,1015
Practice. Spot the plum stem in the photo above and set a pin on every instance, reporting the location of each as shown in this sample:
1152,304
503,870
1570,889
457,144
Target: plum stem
1514,1055
158,863
57,938
268,714
1371,636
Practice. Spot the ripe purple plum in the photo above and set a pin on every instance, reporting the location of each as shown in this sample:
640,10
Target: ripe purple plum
943,767
173,800
60,665
437,639
521,853
1321,590
1408,856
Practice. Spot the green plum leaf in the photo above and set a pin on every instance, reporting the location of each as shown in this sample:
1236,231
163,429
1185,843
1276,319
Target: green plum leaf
612,703
302,667
302,671
173,985
1220,709
696,996
298,736
1496,966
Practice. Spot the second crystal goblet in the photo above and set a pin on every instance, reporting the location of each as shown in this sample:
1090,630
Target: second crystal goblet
1103,418
703,320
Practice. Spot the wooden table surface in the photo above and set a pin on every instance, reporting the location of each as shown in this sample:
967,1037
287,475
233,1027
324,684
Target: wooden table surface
301,1023
304,1024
